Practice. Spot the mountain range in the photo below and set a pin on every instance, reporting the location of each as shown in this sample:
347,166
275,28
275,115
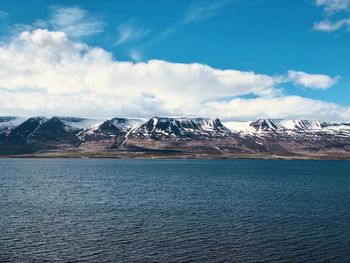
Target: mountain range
172,137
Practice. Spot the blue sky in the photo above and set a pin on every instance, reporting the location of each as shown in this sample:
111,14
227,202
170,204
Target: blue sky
302,45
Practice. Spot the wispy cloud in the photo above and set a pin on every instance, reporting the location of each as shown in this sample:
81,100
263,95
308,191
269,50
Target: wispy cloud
204,9
128,32
3,14
328,26
195,12
75,21
331,6
18,28
135,54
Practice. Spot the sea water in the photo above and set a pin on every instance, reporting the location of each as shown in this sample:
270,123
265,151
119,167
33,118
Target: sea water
110,210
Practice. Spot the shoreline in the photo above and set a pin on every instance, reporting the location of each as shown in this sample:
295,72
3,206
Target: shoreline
148,156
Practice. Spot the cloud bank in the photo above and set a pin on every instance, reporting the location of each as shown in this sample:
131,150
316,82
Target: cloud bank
46,73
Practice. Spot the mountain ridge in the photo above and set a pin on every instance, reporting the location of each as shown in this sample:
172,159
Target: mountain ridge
170,136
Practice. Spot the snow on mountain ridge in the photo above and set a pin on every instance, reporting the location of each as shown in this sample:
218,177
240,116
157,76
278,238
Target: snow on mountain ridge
7,123
181,126
239,126
111,128
185,125
73,123
126,124
285,125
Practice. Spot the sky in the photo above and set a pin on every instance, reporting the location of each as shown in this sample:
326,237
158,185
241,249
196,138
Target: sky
237,60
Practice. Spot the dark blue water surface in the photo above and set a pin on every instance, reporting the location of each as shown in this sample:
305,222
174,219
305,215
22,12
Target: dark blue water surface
174,211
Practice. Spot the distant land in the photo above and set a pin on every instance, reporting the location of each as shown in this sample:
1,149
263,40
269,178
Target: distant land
163,137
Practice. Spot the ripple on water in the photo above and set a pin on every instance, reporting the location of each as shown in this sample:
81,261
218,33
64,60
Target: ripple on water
174,211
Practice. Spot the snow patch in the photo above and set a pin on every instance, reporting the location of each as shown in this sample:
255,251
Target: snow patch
8,123
73,123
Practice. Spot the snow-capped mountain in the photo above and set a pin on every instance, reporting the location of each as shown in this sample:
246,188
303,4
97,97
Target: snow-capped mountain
288,125
57,128
111,128
21,127
296,137
26,128
108,135
42,133
181,127
281,126
184,136
79,124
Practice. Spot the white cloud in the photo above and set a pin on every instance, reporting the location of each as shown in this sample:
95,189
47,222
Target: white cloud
52,52
43,72
204,9
75,21
129,32
328,26
292,107
313,81
331,6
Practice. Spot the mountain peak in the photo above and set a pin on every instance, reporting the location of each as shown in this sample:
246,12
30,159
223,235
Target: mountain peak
181,126
116,127
285,125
